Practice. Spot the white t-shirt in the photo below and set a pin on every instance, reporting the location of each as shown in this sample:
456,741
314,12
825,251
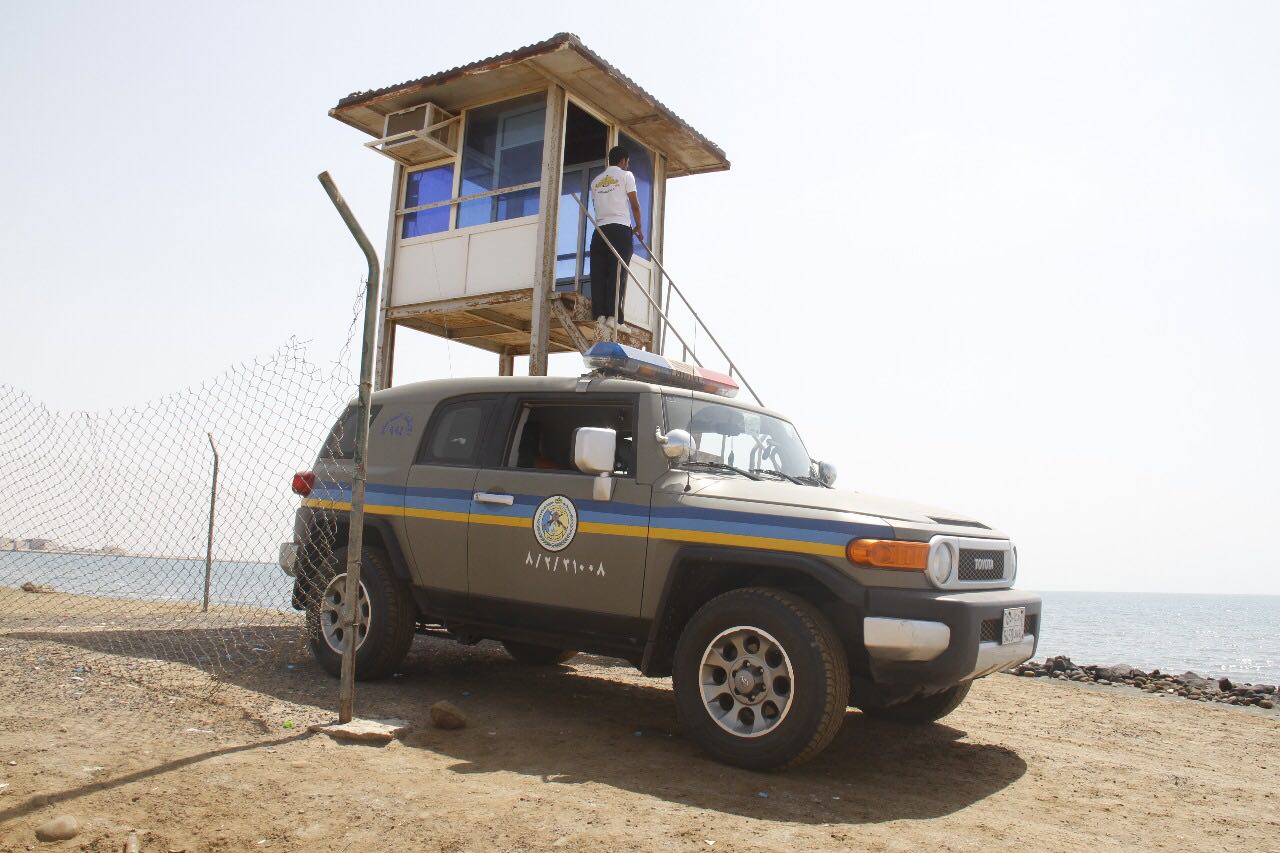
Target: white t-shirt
609,194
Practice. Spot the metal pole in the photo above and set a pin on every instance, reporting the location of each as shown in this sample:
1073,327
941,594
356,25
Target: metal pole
355,535
213,503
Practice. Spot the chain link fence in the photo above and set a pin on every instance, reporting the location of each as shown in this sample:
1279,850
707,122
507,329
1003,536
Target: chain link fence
115,543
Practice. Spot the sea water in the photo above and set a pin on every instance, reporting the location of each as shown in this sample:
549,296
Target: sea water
1233,635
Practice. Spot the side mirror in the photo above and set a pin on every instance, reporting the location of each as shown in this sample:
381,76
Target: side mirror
826,473
677,445
594,450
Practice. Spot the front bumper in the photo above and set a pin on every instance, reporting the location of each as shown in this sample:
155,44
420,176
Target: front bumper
934,640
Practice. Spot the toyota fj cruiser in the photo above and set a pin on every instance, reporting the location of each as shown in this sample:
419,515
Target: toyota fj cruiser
627,514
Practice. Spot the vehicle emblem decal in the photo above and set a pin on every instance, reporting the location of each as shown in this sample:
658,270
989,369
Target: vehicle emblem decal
399,426
555,523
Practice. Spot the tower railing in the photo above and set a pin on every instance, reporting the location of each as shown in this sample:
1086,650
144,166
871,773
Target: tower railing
689,352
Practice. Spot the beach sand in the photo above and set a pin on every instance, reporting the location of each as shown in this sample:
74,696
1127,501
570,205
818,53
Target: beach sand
586,756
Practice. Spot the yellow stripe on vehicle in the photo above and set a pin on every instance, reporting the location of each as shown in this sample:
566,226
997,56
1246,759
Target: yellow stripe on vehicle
607,529
502,520
743,541
434,514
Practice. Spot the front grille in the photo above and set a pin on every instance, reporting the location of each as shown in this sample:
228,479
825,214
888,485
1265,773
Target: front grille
981,565
992,630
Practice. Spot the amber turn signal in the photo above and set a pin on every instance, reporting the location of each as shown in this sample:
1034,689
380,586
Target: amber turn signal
888,554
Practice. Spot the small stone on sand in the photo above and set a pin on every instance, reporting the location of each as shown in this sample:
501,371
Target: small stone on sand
446,715
61,828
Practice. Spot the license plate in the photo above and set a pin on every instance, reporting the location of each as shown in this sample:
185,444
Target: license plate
1015,621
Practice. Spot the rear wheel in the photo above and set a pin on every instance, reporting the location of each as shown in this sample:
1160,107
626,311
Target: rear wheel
535,655
922,709
760,679
384,615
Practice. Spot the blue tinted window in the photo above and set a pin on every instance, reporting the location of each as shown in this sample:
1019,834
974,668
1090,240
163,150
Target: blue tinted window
424,187
502,148
642,167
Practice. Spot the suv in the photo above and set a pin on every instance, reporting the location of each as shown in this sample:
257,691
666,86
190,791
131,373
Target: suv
687,533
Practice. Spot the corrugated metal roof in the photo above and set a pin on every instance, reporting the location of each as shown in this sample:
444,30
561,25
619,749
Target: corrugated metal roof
556,42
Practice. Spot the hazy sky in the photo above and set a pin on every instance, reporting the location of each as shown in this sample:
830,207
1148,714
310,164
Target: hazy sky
1016,259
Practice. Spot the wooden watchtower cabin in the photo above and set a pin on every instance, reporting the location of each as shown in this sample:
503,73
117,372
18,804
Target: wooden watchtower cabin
487,243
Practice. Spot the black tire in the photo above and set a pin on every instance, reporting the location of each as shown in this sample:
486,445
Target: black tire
922,709
817,693
391,616
528,653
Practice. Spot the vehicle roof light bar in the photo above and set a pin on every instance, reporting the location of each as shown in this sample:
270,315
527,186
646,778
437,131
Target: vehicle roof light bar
621,360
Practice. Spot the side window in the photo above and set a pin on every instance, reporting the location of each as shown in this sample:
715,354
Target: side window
341,443
454,436
544,434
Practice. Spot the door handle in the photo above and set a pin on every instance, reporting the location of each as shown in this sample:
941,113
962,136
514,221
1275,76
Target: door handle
491,498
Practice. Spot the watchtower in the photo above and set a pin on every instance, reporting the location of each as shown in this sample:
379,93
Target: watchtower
486,238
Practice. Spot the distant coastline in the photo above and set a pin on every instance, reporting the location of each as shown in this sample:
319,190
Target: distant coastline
49,546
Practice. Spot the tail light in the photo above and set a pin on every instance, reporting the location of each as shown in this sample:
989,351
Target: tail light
304,482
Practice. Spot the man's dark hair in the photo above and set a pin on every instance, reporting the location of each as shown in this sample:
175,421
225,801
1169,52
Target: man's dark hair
617,154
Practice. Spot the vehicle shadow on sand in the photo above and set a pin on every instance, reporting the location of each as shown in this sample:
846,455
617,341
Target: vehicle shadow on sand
596,720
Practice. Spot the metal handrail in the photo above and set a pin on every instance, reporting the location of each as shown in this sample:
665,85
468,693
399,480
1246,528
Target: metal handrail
733,368
623,265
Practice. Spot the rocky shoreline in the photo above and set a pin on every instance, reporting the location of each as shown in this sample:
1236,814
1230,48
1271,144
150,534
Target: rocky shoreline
1189,685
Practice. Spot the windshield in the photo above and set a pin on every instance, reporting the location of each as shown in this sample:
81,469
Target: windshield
728,435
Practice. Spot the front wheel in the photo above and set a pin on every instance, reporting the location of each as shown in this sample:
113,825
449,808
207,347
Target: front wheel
760,679
384,615
921,709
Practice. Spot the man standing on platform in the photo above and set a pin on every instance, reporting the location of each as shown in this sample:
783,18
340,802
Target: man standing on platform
610,194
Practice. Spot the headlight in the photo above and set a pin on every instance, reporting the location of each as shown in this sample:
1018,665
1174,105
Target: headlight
942,562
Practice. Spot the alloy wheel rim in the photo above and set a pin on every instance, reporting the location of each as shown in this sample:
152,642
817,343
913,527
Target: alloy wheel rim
747,681
331,613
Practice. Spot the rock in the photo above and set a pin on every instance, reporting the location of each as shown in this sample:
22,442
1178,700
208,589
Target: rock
368,731
1266,703
1198,682
61,828
446,715
1118,672
31,586
1266,689
1224,684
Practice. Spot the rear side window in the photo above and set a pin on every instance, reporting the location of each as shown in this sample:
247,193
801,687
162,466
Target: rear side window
341,443
454,436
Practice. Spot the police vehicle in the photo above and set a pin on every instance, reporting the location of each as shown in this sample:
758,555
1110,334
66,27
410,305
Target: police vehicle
640,512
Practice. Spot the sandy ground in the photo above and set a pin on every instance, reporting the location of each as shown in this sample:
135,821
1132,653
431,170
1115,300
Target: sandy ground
588,756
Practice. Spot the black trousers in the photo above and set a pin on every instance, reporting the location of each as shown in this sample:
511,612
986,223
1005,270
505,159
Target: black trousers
605,270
